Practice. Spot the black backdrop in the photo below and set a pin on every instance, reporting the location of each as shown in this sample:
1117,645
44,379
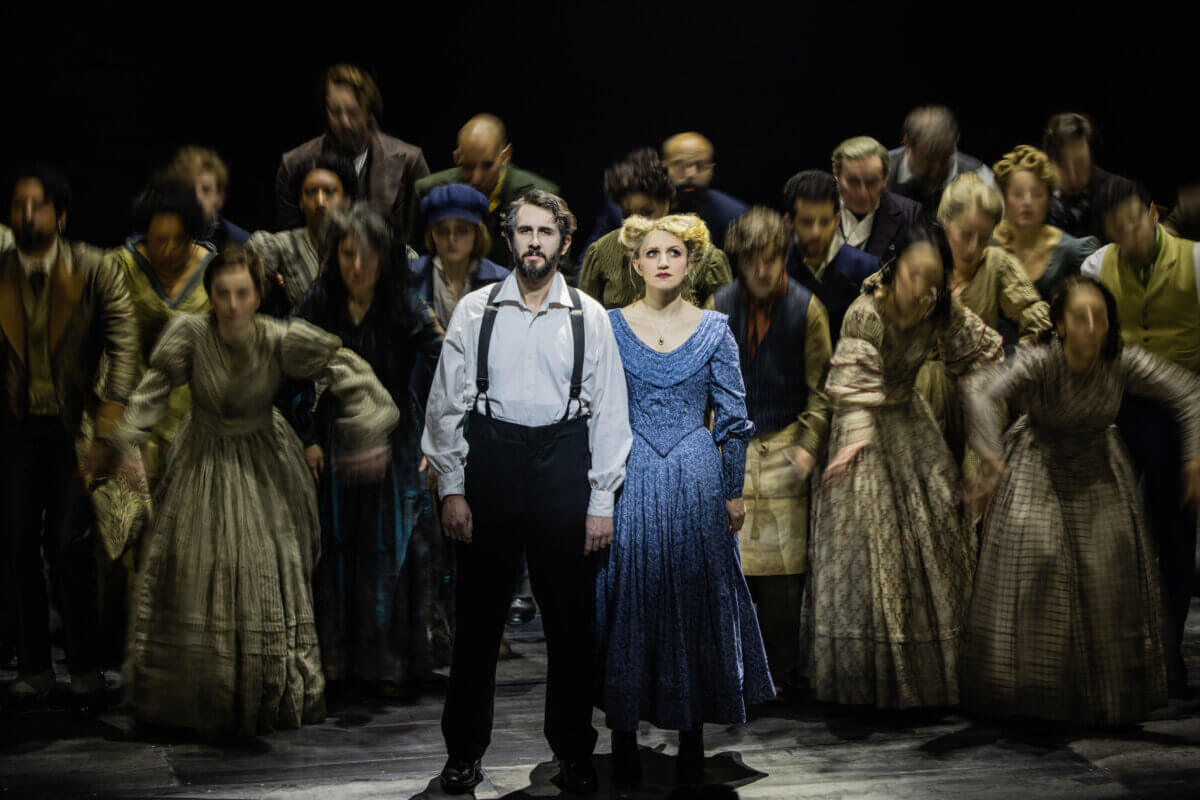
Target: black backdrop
109,98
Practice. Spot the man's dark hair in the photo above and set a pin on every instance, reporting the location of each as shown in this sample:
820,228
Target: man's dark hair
545,200
54,184
1070,126
1111,194
166,194
640,171
813,186
338,165
931,129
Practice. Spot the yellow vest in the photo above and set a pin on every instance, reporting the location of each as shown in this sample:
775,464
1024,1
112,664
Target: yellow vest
1164,315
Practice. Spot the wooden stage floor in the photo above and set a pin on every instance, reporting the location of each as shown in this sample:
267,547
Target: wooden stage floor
803,750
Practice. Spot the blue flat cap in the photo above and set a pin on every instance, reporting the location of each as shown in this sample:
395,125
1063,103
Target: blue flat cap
453,201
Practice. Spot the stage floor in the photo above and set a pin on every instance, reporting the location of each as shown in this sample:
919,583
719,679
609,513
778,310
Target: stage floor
803,750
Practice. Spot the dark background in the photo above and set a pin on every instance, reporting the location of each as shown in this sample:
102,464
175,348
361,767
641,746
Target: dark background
109,97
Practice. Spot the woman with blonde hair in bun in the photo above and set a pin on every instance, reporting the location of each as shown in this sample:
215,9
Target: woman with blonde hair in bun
1027,178
678,641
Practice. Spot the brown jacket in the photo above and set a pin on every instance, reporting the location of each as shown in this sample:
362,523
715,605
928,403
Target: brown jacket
393,167
90,315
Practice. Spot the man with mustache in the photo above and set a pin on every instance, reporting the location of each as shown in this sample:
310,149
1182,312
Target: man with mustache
689,160
527,428
62,307
386,168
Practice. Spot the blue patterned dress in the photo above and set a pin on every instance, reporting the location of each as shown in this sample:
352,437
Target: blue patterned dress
677,637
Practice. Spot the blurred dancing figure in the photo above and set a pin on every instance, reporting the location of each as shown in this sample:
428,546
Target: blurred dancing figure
928,159
206,172
1073,142
224,637
872,217
1064,621
892,551
67,349
374,583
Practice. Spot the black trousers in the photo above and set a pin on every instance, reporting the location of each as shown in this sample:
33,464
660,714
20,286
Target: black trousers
528,492
47,510
1152,436
777,602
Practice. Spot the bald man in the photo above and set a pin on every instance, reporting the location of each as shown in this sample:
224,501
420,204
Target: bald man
386,167
483,159
689,159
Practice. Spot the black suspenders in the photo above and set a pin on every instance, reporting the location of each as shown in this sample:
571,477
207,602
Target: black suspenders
485,341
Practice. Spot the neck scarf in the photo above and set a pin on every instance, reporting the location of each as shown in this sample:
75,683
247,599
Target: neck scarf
760,313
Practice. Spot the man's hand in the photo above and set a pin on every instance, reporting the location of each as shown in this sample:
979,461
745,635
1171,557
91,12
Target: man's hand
599,534
315,457
456,518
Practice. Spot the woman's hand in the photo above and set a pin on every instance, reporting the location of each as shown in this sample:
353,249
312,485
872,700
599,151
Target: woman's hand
1191,484
735,512
839,467
977,494
802,462
365,466
315,457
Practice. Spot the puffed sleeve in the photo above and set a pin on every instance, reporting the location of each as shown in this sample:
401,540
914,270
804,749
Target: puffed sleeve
368,413
967,343
1150,376
732,429
984,389
120,345
713,273
1019,298
170,366
855,382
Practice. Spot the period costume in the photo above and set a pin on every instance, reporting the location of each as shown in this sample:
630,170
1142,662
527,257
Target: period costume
374,584
892,552
224,636
607,274
716,208
222,232
513,184
784,350
1065,260
837,282
1074,214
292,255
902,181
1064,621
67,349
528,419
677,638
153,310
387,178
1158,304
876,232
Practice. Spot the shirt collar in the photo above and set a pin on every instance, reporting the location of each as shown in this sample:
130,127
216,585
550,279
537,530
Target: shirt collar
43,264
494,198
511,293
904,174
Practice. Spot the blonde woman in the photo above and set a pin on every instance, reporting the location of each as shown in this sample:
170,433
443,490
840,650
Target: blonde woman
679,644
1028,179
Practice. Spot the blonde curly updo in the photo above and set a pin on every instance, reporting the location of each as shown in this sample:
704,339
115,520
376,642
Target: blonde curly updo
688,228
1030,159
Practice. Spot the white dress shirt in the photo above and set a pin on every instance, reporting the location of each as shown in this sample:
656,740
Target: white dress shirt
529,376
854,231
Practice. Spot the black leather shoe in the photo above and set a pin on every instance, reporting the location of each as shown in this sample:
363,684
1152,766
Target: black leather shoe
460,776
578,777
521,612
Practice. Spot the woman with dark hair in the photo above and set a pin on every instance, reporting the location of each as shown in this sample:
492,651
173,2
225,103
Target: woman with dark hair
223,637
374,585
1064,622
641,186
164,264
892,552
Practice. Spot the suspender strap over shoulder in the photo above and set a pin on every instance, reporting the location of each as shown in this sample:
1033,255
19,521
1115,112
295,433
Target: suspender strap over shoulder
577,333
485,341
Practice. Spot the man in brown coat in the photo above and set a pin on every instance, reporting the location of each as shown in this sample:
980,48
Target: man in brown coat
62,307
387,167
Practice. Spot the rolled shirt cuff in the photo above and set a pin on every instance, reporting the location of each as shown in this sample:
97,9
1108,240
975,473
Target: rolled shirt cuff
453,482
601,503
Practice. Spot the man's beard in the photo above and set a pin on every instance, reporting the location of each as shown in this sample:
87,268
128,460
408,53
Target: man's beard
687,196
31,240
534,275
